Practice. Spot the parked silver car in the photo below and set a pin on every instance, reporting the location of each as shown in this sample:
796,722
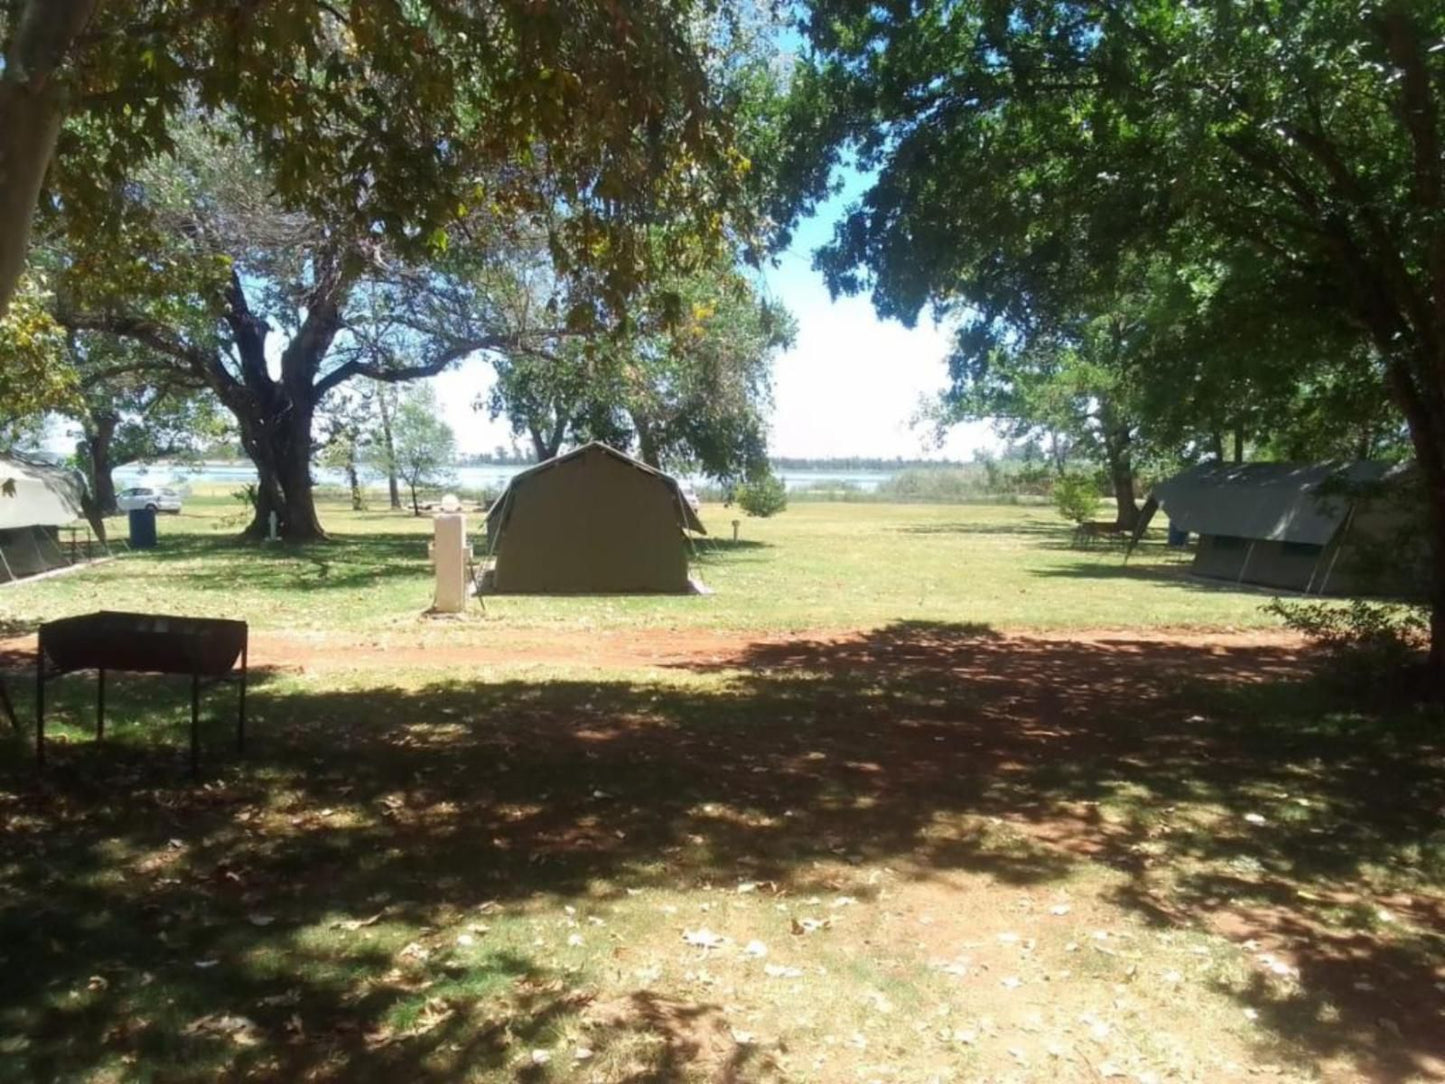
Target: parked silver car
157,500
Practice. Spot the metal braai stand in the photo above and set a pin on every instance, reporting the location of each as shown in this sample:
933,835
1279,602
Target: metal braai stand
210,651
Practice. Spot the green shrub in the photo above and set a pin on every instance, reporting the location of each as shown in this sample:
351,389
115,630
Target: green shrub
766,496
1370,644
1076,496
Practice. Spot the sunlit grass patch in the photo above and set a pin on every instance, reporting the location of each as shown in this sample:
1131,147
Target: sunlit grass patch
816,566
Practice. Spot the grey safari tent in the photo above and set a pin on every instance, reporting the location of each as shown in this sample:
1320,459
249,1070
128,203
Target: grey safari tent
35,500
593,521
1316,528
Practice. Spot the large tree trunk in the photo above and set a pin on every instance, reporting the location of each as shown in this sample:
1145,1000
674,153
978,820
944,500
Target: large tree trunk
1121,476
1120,463
99,435
388,448
32,104
547,445
1424,412
353,479
278,440
647,448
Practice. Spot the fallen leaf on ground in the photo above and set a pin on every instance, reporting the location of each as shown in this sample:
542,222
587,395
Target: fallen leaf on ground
777,971
358,923
238,1029
810,925
703,938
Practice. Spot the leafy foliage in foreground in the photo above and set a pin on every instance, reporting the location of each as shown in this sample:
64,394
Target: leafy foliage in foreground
1371,645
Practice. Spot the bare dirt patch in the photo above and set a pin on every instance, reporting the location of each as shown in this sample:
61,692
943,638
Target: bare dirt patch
635,648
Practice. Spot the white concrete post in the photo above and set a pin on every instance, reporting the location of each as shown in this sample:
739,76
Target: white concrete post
449,544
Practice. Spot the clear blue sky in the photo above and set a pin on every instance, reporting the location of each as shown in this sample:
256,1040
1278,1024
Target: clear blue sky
850,385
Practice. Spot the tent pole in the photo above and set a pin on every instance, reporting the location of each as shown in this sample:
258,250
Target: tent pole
59,552
6,564
1330,570
1146,514
1248,554
39,554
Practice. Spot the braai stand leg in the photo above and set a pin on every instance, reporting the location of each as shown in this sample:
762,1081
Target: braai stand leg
8,708
241,713
195,725
40,706
100,705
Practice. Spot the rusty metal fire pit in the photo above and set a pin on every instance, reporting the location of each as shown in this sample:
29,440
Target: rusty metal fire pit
204,648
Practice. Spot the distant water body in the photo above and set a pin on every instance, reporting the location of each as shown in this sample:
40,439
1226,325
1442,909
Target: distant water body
491,477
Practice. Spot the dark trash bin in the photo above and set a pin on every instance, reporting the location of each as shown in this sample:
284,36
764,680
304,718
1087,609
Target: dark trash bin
1178,538
143,529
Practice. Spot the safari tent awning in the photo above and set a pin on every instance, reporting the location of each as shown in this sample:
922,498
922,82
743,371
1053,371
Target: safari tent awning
35,495
1275,502
501,509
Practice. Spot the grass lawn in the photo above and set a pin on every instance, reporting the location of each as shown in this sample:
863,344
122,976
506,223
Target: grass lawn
944,839
817,566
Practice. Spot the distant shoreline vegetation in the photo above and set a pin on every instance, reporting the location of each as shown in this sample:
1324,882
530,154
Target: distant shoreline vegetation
847,479
926,482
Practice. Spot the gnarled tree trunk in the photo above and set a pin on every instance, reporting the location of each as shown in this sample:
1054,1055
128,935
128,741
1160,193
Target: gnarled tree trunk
353,481
647,449
1117,441
545,444
98,438
388,450
277,436
1121,477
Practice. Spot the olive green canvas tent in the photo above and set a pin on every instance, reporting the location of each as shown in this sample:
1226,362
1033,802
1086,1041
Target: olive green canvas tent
1316,528
35,500
593,521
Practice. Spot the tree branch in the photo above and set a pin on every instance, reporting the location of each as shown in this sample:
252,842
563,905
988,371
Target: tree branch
390,374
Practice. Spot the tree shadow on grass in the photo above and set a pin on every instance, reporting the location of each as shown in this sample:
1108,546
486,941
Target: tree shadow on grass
1030,531
1164,573
902,746
218,564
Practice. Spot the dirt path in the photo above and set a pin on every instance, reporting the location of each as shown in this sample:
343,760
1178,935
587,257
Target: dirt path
621,649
